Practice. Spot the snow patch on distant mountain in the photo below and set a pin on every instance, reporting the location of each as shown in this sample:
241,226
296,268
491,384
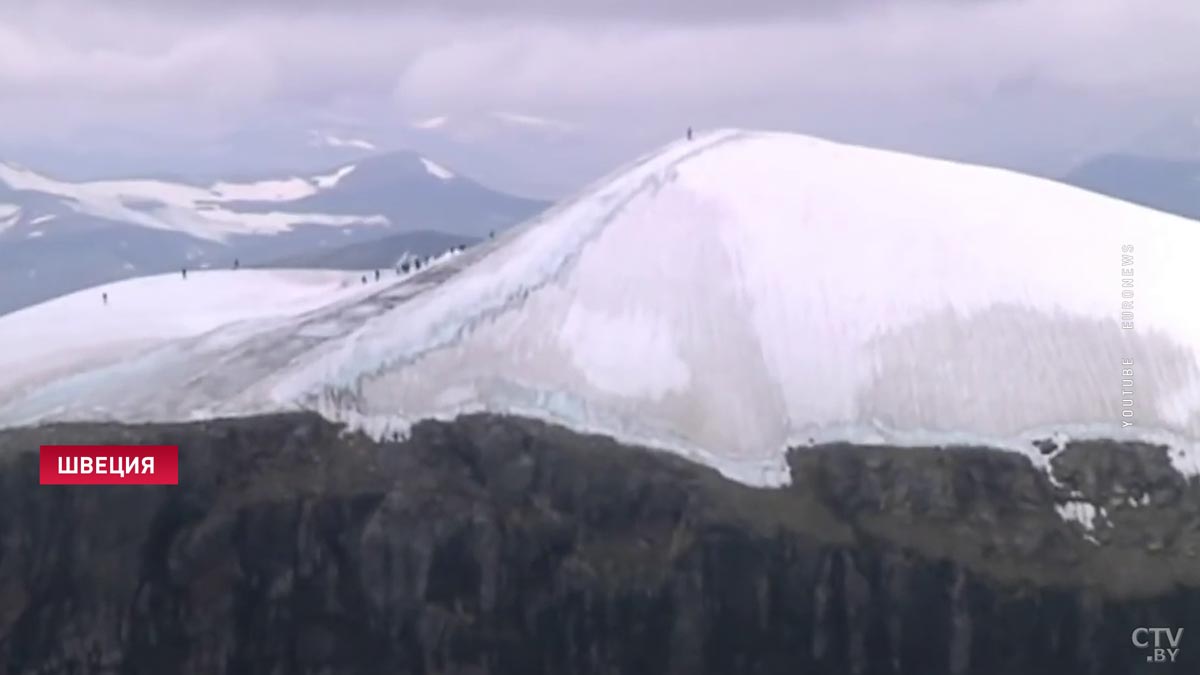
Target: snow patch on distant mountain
286,190
197,211
43,219
9,215
331,180
436,169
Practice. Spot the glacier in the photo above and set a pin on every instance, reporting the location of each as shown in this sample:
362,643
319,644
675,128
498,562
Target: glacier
728,298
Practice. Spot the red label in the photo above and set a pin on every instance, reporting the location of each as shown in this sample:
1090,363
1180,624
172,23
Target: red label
109,465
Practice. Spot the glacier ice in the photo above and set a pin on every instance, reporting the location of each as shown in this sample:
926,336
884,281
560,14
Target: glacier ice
730,297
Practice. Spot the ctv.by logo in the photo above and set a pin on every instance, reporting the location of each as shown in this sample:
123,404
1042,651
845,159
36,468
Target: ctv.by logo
1164,643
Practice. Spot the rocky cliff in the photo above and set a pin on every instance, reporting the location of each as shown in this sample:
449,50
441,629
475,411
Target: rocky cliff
504,546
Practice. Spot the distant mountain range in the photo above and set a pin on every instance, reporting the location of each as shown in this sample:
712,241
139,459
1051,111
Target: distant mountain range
1171,185
58,236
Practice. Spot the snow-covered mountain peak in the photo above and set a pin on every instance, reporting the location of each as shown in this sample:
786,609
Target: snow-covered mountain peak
270,206
738,294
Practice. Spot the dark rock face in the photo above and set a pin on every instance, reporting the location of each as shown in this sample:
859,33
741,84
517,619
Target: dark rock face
499,545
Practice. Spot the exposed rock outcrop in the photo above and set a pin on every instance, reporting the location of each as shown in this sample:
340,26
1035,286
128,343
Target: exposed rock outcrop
500,545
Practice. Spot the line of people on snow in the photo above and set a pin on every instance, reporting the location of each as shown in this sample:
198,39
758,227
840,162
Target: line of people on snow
413,265
403,268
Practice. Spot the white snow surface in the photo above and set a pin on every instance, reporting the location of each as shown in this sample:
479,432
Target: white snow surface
436,170
728,298
79,331
285,190
209,213
326,182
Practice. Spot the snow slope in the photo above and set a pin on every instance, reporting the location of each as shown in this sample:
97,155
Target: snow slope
729,297
79,331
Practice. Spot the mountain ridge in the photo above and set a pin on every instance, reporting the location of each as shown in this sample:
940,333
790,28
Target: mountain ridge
1170,185
661,306
509,546
60,236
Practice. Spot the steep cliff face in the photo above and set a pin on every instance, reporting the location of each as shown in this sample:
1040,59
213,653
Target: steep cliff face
500,545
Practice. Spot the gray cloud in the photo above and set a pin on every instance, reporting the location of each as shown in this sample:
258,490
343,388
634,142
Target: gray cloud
673,11
1028,83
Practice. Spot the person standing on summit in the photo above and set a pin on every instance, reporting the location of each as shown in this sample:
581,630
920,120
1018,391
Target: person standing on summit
689,133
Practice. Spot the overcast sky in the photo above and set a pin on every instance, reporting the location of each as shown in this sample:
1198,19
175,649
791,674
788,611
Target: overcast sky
540,95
